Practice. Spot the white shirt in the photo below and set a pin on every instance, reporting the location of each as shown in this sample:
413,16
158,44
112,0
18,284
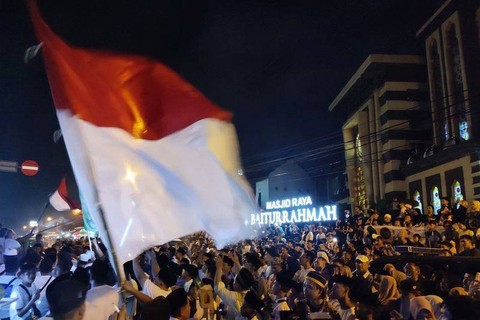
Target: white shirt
233,300
153,291
186,285
22,301
345,314
99,302
40,281
5,279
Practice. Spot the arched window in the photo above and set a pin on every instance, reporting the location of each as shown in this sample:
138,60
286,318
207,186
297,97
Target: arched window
436,200
438,97
360,188
418,198
457,191
358,148
457,89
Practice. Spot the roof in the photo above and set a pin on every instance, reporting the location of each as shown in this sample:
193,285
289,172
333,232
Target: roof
370,70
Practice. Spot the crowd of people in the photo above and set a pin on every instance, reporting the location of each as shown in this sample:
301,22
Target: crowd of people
355,268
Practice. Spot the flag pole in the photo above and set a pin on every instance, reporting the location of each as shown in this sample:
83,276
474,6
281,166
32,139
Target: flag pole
45,206
89,241
112,251
44,34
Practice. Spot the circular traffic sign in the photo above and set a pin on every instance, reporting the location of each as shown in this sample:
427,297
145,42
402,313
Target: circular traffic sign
29,168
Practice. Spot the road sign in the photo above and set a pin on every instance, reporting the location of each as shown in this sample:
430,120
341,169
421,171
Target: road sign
29,168
8,166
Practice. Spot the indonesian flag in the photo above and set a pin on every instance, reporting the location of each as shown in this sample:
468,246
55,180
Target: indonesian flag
60,199
147,147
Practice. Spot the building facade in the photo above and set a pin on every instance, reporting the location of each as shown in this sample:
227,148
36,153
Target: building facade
287,181
412,129
385,100
450,167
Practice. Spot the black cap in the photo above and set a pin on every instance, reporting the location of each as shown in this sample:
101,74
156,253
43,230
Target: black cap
317,278
208,255
191,270
168,277
273,251
253,259
176,300
245,279
253,301
228,261
346,281
285,279
64,296
156,309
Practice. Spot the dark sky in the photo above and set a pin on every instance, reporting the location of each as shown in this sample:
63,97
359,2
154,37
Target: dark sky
275,64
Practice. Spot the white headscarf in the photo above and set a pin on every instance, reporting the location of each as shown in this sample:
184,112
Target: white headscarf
418,304
436,303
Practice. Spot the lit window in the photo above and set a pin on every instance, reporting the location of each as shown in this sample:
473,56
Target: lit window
416,197
457,192
436,200
458,96
463,128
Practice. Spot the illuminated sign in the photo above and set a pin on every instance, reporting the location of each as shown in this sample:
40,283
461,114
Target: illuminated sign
293,210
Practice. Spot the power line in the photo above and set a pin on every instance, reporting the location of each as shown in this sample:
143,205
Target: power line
419,107
330,148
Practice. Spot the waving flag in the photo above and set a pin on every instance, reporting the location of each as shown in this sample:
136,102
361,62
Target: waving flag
60,199
155,154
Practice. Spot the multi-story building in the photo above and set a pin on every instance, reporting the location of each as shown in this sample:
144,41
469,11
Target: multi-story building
383,101
451,165
412,129
287,181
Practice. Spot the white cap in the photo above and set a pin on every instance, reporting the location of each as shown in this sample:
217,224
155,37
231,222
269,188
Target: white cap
323,255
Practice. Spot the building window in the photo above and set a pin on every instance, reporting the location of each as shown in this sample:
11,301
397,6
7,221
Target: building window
360,188
358,148
418,199
456,84
457,192
435,200
438,97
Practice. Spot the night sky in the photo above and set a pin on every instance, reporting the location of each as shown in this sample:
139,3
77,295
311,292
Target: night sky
276,65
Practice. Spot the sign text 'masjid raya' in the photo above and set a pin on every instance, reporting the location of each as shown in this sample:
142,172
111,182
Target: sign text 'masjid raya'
294,210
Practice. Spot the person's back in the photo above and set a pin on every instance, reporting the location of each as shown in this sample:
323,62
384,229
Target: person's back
101,297
43,279
8,280
66,299
100,301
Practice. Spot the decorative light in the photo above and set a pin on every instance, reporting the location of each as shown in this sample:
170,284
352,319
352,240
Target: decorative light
49,218
33,224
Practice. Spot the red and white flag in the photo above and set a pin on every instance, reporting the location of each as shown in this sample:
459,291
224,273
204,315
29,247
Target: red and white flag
60,199
158,156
